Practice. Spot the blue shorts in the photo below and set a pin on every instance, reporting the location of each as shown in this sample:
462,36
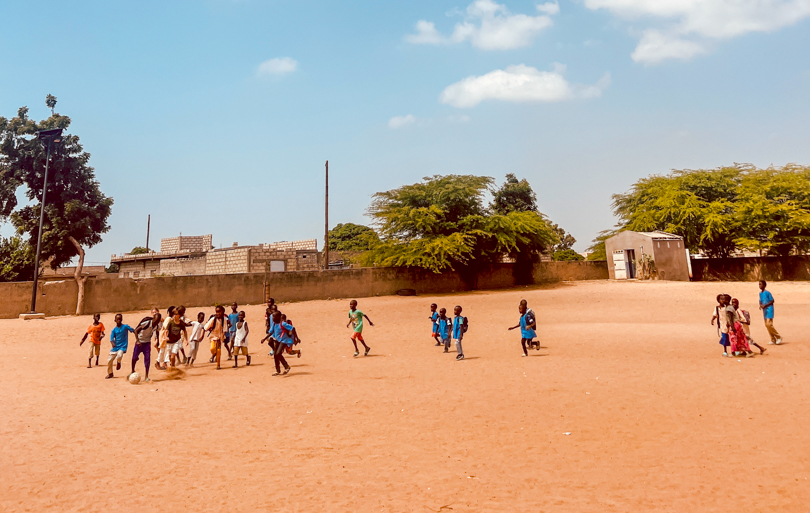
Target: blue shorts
724,341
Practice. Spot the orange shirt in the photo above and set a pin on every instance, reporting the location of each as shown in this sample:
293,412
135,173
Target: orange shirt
95,333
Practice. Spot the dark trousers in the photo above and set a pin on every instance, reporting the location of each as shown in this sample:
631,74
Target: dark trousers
278,356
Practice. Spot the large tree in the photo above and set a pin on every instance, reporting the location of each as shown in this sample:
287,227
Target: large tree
16,260
442,223
76,211
351,237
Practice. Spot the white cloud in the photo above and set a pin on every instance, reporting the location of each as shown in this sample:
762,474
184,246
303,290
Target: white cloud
681,28
401,121
277,67
489,26
518,84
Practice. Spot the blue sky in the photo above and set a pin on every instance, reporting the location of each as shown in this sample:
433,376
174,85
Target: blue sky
217,116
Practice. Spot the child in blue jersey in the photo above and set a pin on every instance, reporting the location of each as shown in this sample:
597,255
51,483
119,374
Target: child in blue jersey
119,338
527,327
443,326
282,332
233,318
434,318
459,328
766,302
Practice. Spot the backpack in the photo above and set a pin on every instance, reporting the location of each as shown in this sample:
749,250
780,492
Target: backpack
746,315
465,325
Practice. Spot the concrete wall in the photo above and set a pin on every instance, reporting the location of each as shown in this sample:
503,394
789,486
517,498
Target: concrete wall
670,259
125,294
751,269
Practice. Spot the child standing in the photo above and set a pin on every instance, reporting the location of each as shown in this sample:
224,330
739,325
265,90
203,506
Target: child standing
434,318
443,327
96,332
527,328
459,329
148,327
766,302
240,342
723,322
356,319
197,335
119,338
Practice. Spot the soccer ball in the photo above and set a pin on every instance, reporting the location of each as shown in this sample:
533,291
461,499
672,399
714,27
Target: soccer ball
134,378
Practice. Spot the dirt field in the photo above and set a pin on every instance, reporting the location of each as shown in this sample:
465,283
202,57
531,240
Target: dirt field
629,406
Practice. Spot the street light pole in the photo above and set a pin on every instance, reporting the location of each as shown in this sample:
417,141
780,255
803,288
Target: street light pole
49,137
326,222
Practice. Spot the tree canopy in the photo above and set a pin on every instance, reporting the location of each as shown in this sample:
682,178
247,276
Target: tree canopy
442,223
514,196
76,211
719,211
139,250
16,260
351,237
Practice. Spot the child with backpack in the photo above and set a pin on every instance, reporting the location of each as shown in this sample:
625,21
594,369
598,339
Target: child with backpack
460,326
744,318
527,327
443,326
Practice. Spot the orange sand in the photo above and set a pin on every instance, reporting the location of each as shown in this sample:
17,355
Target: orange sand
658,420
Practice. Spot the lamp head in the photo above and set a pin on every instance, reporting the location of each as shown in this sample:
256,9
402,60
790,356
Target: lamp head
54,135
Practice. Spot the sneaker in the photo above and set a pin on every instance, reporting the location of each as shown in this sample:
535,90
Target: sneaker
460,357
446,350
108,376
367,350
524,354
147,380
356,354
725,354
118,366
778,341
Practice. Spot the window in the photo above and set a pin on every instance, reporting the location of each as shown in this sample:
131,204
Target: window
136,274
152,272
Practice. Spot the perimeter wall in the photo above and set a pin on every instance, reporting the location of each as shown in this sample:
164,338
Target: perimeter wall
126,294
751,269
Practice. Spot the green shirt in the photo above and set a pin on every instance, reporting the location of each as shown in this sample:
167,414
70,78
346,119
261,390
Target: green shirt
357,320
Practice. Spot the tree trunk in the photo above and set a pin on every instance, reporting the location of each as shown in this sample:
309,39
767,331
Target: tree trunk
78,276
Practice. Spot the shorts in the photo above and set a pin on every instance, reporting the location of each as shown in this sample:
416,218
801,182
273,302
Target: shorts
724,341
240,350
176,347
216,346
358,336
227,337
435,333
142,348
527,340
95,349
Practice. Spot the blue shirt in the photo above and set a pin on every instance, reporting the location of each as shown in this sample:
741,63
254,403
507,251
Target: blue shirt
234,318
285,335
434,317
458,321
766,297
120,337
525,331
443,325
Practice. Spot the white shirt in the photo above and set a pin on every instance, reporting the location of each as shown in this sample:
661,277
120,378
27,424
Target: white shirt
197,330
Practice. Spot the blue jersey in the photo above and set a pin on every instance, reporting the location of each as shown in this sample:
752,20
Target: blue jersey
234,318
458,322
285,333
766,297
120,337
443,326
525,330
434,317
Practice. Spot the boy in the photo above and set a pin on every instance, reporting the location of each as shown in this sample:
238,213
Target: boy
721,315
175,330
356,319
240,342
434,318
766,302
744,318
216,327
531,319
197,335
96,332
527,328
282,335
233,318
162,345
443,325
295,339
459,328
119,339
148,327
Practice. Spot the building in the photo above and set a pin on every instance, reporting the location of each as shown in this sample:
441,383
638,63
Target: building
67,273
193,256
647,255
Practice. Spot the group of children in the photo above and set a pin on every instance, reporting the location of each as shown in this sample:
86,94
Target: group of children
444,328
734,323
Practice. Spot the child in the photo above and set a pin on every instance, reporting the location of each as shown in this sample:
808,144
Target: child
233,318
148,327
176,334
766,302
443,325
217,327
240,342
356,319
197,335
526,326
434,318
96,332
459,329
281,334
295,339
162,344
744,318
119,339
723,323
531,319
736,335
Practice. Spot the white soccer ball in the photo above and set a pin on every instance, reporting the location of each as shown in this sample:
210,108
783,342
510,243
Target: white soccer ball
134,378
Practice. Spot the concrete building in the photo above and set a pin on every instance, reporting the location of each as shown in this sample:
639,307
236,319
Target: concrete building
647,255
190,256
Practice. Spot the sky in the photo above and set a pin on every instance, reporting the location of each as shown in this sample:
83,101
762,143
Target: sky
216,116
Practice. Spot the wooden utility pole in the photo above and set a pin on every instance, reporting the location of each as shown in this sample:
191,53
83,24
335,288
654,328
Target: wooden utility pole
326,223
148,223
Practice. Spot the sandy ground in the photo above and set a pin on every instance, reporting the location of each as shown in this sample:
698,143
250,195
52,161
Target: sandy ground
629,406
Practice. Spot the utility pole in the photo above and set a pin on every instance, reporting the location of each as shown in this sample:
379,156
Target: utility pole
148,223
326,223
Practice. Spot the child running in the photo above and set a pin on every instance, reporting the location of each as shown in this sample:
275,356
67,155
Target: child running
527,328
434,318
240,341
744,318
216,327
96,332
148,327
356,319
197,335
459,329
532,320
282,336
443,326
119,338
233,318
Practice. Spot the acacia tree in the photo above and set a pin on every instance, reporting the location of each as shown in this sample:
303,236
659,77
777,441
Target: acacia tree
441,223
351,237
76,210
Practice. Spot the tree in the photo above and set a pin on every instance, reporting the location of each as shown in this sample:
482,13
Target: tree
113,268
597,249
567,255
50,101
567,240
76,210
138,250
514,196
441,223
16,260
351,237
